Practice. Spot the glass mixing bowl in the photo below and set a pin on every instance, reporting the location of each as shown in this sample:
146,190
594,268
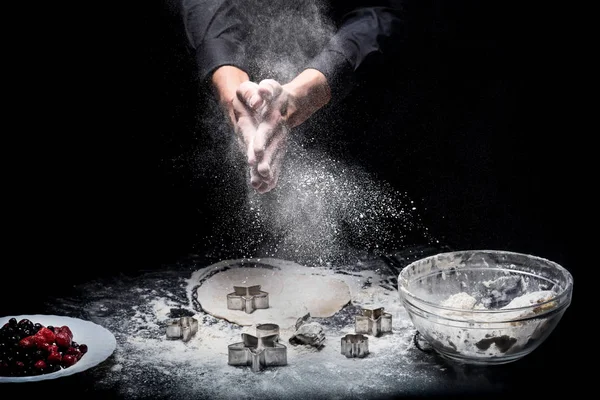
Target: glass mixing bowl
483,306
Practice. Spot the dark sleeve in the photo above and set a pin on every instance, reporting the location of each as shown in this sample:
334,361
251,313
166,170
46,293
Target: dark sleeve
362,33
216,32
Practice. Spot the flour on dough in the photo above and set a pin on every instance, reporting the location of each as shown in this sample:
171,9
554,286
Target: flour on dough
293,292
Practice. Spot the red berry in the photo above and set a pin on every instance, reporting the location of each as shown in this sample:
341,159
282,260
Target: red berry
68,360
27,342
83,348
53,348
47,334
66,329
54,357
63,339
40,342
20,364
72,350
40,364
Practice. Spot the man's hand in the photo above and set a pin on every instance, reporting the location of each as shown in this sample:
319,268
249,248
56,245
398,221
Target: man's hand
228,82
275,110
225,81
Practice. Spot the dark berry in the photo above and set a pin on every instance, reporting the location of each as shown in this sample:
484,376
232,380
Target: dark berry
83,348
74,344
25,323
37,327
12,322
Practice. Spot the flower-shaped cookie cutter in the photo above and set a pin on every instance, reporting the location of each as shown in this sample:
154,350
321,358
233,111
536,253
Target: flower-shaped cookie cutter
374,322
355,346
182,328
260,351
247,298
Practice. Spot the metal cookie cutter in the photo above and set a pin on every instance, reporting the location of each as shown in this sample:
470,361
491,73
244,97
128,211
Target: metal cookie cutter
183,328
260,351
373,322
247,298
355,346
307,332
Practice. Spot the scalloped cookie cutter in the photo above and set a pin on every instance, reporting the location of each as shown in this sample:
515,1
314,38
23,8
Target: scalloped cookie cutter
355,346
182,328
374,321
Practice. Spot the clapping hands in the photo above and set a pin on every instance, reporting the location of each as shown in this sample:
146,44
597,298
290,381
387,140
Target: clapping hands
263,115
262,126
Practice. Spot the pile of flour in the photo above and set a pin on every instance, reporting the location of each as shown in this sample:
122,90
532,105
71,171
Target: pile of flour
507,338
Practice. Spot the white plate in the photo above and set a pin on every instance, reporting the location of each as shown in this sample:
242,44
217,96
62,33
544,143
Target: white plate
100,341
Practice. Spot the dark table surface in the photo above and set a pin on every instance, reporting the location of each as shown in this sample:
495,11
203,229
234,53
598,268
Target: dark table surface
107,299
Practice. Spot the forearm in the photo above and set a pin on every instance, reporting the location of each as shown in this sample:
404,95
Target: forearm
363,32
216,30
309,92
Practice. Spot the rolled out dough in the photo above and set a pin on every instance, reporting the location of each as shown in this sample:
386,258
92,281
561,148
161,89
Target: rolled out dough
292,293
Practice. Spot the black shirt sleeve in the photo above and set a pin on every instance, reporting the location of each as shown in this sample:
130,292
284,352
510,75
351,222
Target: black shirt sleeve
362,32
216,31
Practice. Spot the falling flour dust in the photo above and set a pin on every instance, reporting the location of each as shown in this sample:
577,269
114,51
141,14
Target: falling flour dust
324,209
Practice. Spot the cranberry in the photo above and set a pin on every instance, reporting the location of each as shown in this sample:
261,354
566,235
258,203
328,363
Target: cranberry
63,339
83,348
54,357
27,342
68,360
40,364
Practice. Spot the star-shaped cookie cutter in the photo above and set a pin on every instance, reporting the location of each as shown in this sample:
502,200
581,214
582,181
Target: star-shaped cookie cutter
260,351
355,346
182,328
247,298
374,321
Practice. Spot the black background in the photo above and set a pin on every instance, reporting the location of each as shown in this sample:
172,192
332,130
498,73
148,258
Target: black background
475,125
479,132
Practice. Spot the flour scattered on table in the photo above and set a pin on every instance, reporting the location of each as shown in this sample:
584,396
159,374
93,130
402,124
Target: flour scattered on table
147,365
145,362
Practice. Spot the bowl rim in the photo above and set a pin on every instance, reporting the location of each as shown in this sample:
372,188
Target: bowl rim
567,291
